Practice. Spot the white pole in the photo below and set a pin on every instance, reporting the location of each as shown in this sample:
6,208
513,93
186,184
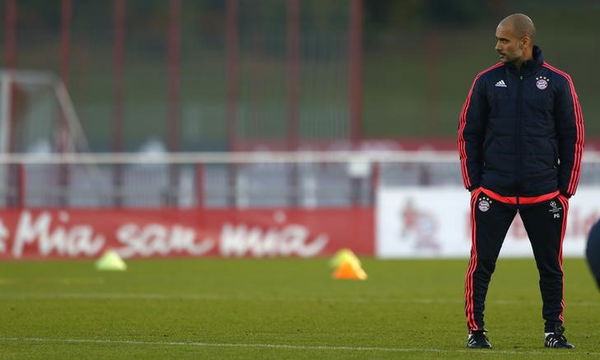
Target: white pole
5,110
76,134
5,104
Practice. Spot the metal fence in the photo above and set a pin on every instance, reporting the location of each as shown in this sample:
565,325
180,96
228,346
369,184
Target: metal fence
213,75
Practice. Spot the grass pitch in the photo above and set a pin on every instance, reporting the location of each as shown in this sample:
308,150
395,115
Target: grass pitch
280,309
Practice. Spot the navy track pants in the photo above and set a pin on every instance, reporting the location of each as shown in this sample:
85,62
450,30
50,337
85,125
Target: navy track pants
545,223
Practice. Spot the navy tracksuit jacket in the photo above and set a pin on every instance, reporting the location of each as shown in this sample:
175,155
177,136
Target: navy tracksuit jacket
520,141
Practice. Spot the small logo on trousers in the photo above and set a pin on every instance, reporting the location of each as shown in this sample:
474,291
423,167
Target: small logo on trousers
555,209
484,204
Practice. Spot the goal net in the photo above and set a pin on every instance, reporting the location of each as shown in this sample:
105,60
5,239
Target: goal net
36,116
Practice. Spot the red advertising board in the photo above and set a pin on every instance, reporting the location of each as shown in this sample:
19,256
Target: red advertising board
87,233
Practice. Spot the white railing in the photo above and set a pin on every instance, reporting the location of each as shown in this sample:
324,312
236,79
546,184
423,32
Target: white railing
265,157
227,179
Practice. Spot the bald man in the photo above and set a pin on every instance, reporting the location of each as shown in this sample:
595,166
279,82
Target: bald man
520,140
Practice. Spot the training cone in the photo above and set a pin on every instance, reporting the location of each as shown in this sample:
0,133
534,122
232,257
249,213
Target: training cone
344,255
350,271
111,261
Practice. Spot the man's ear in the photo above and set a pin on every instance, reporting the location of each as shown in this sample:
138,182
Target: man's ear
525,41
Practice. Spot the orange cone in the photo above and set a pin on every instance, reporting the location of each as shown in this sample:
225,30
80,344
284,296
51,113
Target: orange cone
347,270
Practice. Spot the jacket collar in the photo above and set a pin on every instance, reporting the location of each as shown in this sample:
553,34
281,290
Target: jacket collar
529,66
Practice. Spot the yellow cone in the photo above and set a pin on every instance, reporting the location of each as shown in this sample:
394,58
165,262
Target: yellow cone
344,255
111,261
348,270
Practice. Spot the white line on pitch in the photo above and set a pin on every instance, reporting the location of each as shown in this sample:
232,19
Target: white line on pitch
278,346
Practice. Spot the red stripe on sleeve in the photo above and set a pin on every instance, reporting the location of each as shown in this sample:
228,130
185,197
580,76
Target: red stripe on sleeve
461,128
579,141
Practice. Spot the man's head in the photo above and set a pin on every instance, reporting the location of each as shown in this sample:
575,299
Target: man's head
514,39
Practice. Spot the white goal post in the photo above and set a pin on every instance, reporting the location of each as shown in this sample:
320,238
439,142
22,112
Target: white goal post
33,85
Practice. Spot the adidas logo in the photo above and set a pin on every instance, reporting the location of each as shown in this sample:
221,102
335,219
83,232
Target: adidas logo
500,83
471,340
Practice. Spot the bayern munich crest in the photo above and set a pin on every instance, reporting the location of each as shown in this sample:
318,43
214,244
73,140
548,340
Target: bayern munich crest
541,82
484,204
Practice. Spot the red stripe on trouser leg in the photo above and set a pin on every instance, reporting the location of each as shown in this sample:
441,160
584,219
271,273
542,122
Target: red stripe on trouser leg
469,267
471,323
565,204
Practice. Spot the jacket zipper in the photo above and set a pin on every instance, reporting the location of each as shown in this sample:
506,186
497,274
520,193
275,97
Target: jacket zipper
518,133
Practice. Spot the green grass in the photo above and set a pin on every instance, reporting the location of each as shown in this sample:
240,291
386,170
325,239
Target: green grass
279,309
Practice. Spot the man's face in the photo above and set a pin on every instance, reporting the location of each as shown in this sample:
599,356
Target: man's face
508,45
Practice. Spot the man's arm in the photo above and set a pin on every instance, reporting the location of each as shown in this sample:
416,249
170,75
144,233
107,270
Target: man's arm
569,125
471,128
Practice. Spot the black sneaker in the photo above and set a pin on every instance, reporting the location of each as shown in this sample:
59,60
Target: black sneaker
478,340
557,340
